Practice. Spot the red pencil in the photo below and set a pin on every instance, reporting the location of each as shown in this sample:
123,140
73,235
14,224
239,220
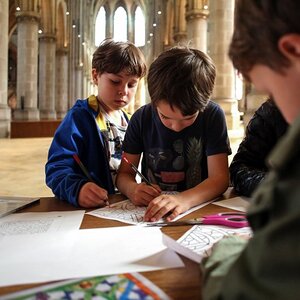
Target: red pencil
139,173
85,171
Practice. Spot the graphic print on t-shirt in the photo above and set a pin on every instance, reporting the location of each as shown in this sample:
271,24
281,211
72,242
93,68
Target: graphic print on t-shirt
178,168
194,154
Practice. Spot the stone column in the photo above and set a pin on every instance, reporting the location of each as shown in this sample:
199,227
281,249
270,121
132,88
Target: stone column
221,29
5,112
27,73
61,87
47,77
140,96
180,34
196,17
78,82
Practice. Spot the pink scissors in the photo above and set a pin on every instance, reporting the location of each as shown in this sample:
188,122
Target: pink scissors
235,220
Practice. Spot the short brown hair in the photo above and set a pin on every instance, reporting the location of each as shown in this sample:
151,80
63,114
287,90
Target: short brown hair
183,77
259,24
114,56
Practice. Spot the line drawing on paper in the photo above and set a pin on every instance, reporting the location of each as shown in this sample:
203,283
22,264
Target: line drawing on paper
125,211
200,238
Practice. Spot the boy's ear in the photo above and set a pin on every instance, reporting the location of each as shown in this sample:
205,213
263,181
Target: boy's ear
289,46
94,76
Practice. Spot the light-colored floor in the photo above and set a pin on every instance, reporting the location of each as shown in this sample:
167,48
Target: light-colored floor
22,166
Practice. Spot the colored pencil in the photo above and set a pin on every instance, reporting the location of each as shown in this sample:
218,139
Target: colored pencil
86,172
139,173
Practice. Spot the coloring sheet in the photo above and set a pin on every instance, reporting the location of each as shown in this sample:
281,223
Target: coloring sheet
120,286
197,242
125,211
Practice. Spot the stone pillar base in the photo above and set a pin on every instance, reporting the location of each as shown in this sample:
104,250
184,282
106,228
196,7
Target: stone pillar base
60,115
4,128
47,115
27,114
5,115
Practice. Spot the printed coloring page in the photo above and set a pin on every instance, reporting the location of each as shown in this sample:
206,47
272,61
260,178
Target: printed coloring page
125,211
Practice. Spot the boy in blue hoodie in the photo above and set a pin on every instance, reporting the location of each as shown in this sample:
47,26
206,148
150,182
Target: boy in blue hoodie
94,128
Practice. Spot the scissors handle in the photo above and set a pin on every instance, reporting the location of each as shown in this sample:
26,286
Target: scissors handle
235,221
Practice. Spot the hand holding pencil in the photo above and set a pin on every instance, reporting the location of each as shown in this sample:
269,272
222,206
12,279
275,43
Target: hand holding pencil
141,193
91,194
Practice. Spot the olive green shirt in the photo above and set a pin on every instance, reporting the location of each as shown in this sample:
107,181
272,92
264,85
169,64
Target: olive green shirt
269,266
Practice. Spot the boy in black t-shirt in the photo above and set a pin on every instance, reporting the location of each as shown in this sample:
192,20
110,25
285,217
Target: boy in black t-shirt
182,136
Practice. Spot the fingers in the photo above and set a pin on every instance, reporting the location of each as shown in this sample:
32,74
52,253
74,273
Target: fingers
161,206
176,212
157,189
91,195
144,194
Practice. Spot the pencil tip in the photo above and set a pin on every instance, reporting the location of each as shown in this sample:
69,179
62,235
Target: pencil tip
75,156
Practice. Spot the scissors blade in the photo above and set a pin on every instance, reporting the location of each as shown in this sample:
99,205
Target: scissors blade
196,221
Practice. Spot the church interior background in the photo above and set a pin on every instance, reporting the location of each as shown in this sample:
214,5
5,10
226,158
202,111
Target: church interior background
45,55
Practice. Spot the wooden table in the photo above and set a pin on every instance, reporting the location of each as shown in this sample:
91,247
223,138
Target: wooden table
177,283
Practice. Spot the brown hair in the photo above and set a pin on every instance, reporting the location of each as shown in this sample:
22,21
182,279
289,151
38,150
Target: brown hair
182,77
259,24
113,57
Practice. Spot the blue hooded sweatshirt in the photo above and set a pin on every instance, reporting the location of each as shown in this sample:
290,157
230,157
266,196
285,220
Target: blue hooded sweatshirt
78,134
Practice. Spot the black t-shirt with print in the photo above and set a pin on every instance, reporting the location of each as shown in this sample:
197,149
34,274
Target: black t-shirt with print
176,160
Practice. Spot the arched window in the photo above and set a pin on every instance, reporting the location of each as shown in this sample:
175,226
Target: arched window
139,27
100,26
120,24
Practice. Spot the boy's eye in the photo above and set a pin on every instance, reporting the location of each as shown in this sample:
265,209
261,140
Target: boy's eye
163,117
131,85
115,81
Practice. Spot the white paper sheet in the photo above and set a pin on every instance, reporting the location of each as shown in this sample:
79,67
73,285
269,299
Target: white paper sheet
83,253
197,242
237,203
40,222
125,211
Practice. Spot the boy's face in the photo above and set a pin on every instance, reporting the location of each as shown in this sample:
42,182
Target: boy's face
172,118
284,88
115,90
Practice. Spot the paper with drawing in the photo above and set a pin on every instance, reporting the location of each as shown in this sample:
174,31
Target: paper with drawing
125,211
198,241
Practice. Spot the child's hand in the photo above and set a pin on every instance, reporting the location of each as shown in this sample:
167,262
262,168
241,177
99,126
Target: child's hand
164,204
144,193
91,195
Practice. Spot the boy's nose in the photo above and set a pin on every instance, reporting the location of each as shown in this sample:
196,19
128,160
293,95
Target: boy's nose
123,91
176,126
